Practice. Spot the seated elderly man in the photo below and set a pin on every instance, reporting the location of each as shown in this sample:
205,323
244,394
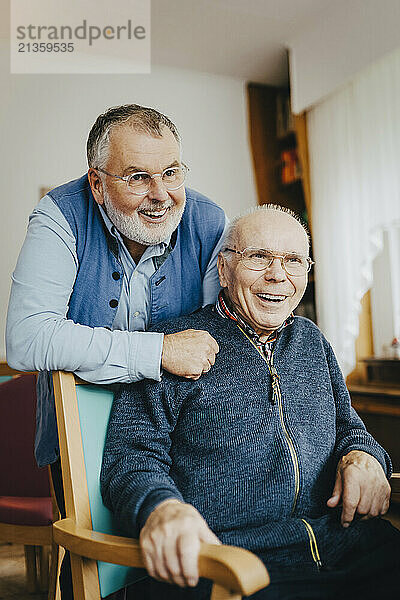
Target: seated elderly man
264,451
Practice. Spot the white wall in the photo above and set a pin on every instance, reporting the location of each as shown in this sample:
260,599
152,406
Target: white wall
337,43
45,119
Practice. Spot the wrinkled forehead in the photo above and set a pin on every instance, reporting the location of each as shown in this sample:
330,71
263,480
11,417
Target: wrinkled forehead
139,135
130,146
273,230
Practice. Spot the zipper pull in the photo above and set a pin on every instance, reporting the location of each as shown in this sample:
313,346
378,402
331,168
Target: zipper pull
275,387
275,377
275,384
274,372
274,390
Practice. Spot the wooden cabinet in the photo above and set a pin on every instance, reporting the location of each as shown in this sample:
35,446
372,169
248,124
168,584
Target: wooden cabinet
377,401
268,147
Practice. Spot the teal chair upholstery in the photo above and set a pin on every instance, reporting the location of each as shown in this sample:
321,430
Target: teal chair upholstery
94,405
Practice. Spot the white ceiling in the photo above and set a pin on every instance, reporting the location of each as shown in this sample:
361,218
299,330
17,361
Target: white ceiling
237,38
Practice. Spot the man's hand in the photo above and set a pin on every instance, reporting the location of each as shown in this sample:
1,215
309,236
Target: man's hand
189,353
362,486
170,542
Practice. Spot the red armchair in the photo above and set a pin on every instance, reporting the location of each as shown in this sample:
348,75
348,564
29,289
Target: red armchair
26,507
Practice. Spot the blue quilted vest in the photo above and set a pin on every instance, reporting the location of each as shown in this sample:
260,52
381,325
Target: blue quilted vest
175,287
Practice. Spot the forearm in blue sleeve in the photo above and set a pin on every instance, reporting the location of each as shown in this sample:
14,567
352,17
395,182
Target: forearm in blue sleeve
38,334
351,433
135,471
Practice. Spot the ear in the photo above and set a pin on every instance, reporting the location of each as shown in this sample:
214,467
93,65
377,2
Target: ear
96,185
223,269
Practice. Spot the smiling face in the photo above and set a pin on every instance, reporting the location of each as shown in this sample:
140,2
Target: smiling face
264,298
149,219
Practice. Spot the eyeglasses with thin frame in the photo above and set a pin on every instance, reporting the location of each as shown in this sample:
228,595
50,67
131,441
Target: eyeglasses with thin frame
139,182
259,259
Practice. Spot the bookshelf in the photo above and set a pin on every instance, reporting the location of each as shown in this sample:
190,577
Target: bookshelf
279,150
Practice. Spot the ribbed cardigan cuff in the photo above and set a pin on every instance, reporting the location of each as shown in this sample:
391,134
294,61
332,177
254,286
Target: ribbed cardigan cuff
154,499
374,450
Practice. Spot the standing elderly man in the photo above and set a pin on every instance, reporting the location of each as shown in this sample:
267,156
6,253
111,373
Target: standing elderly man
259,452
105,256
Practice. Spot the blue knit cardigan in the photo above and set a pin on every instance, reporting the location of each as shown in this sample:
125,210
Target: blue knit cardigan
253,446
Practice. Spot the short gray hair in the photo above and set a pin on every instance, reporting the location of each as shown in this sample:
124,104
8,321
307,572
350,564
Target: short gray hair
231,234
144,119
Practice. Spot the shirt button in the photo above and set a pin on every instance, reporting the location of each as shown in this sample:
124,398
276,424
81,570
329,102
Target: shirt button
135,273
116,275
136,314
113,303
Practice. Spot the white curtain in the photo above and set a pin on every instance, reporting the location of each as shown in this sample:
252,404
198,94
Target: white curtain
354,144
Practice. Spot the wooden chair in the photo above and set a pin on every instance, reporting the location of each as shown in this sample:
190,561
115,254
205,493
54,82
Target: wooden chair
27,509
87,532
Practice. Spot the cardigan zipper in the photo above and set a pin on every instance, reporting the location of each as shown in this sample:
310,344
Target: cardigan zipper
313,544
277,391
277,398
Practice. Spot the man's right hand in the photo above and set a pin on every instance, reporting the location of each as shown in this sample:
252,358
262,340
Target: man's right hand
189,353
170,542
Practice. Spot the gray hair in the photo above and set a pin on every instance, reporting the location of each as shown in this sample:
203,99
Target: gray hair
147,120
231,234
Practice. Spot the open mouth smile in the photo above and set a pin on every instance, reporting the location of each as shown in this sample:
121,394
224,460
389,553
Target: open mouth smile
154,216
276,298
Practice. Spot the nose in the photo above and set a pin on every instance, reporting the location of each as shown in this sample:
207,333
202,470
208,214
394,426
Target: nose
275,272
157,189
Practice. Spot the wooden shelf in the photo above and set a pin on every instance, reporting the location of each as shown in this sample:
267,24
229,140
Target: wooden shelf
378,404
381,360
292,185
385,370
288,140
375,408
386,390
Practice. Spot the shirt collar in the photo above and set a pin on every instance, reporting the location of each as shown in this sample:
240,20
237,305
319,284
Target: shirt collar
224,309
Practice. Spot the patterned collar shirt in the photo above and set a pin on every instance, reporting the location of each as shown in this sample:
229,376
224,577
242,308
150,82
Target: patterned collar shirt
225,310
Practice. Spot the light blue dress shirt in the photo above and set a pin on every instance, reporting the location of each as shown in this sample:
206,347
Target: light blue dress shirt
40,337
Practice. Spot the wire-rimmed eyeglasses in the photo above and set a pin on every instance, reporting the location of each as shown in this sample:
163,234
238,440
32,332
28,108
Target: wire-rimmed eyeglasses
139,182
258,259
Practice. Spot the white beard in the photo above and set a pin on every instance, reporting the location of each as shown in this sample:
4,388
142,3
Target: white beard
133,228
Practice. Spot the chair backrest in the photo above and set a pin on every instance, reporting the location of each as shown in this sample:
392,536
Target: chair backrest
7,372
92,403
19,473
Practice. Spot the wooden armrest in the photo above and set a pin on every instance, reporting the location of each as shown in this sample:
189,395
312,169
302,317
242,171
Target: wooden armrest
395,483
96,545
234,568
7,371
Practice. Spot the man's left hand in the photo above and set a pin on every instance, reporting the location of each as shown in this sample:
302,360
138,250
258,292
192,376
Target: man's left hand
362,487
